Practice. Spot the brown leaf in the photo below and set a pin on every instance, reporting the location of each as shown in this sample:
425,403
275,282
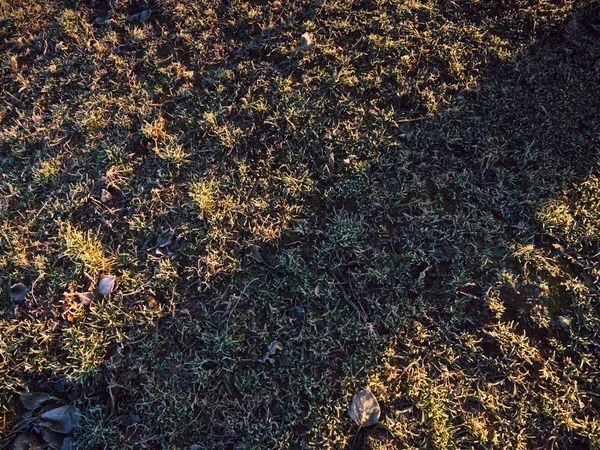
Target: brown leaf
306,41
52,438
62,419
407,131
133,18
101,20
18,292
31,400
27,441
105,196
145,15
255,254
318,290
273,348
364,409
127,421
67,443
85,298
106,284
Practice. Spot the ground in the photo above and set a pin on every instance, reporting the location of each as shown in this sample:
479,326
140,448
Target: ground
410,203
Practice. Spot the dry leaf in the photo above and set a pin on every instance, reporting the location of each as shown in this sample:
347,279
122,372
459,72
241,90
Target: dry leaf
18,292
127,421
255,254
106,284
62,419
407,131
140,17
273,348
105,196
27,441
364,408
101,20
52,438
67,443
306,41
297,312
164,239
318,290
85,298
145,15
31,400
133,18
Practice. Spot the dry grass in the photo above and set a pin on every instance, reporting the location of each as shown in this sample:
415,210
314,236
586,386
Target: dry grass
423,182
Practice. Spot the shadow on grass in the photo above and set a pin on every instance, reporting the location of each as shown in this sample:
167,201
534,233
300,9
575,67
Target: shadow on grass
493,344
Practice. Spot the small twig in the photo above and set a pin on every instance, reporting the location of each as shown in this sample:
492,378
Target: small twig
360,311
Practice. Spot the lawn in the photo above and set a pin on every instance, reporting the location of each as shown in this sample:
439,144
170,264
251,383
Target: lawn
298,200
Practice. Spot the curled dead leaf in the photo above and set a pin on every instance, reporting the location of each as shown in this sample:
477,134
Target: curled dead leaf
307,41
67,443
85,298
63,419
127,421
318,290
31,400
145,15
142,16
364,409
273,348
133,18
27,441
18,292
407,131
105,196
296,313
101,20
106,285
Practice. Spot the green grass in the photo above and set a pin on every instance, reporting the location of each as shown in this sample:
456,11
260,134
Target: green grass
424,182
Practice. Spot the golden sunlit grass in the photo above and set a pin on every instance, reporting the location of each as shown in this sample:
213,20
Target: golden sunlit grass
410,203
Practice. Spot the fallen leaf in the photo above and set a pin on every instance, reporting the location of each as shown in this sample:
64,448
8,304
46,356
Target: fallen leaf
18,292
62,419
407,131
255,254
106,285
101,20
27,441
52,438
85,298
307,41
145,15
297,312
105,196
273,348
31,400
161,251
142,16
127,421
318,290
164,239
133,18
67,443
364,409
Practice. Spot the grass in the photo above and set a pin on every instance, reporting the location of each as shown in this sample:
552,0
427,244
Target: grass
410,205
